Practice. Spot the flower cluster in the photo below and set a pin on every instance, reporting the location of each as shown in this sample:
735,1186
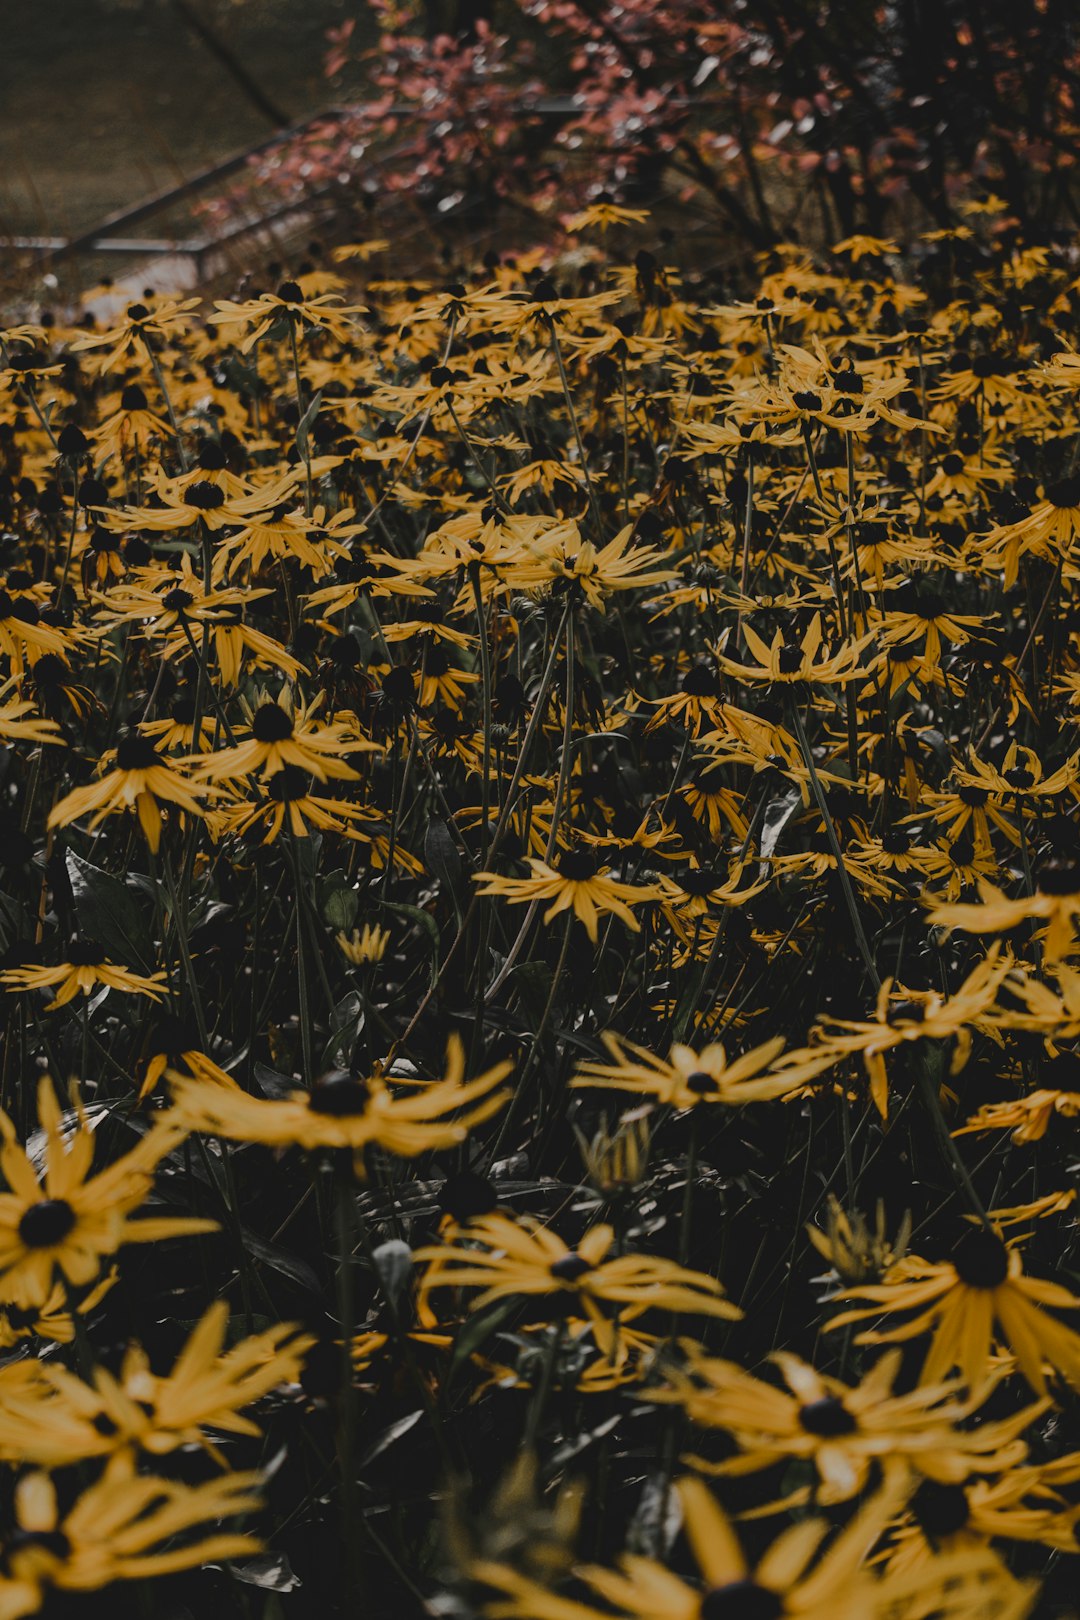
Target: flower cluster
539,813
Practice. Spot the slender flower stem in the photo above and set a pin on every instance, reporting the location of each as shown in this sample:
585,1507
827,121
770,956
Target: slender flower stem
834,844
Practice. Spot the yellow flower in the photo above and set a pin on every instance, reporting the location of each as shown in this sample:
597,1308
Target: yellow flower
67,1220
282,736
519,1258
121,1528
793,663
574,882
364,945
132,334
1027,1117
1056,901
793,1578
58,1418
141,780
86,966
289,304
843,1430
688,1078
961,1301
347,1111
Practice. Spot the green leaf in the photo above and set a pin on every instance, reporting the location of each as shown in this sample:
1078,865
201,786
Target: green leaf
422,919
339,907
109,912
477,1330
305,424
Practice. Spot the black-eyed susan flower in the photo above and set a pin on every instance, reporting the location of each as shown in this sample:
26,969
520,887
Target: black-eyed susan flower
63,1221
1056,902
59,1418
84,968
510,1259
979,1297
794,1576
846,1431
140,779
688,1079
345,1110
573,881
284,736
126,1526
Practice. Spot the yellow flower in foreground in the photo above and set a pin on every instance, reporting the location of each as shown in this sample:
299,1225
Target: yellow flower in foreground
348,1111
367,944
1027,1117
116,1531
688,1078
794,1577
962,1301
902,1017
59,1419
575,882
791,663
68,1221
844,1430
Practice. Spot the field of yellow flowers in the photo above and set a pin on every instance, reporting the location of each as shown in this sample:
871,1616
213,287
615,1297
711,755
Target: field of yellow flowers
540,875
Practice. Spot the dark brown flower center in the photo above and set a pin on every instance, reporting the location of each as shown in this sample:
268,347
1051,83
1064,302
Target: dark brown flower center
288,785
136,754
941,1510
577,865
46,1223
570,1267
270,724
1058,877
828,1417
741,1600
981,1259
204,496
339,1094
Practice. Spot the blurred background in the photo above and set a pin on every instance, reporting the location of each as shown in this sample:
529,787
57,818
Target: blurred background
456,127
105,102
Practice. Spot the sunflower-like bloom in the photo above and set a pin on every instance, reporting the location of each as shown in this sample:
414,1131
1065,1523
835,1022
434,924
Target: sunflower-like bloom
19,722
121,1528
519,1258
577,565
289,799
905,1016
794,663
133,333
793,1578
141,780
963,1301
574,882
843,1430
1027,1117
85,966
1048,531
1020,1505
58,1418
687,1078
347,1111
67,1220
282,736
290,303
1056,902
